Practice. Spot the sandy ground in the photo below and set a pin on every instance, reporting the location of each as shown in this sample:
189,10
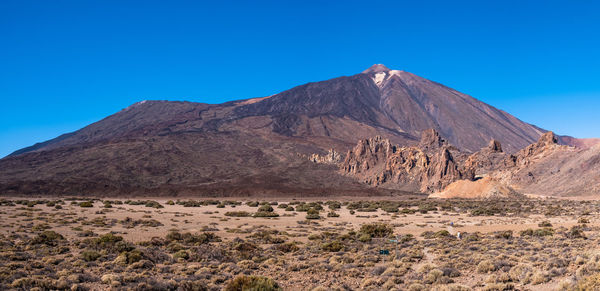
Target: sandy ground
195,219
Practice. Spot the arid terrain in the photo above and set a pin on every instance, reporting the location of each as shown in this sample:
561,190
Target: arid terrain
326,186
404,243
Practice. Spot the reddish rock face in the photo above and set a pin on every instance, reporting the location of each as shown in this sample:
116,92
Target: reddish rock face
544,167
427,168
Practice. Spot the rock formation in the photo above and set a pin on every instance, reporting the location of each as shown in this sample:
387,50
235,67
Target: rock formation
331,157
429,167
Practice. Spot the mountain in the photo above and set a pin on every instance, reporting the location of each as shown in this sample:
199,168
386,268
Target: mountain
258,145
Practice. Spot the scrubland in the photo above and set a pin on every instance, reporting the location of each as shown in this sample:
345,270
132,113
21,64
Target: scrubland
190,244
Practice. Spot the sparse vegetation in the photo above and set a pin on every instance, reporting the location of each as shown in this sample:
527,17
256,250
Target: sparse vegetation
131,246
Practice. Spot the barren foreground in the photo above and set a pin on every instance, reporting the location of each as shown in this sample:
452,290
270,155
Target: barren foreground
409,244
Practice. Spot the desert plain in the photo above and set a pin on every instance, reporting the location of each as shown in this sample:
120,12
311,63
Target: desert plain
348,243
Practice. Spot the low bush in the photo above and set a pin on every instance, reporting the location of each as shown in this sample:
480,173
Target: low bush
333,246
252,283
332,214
486,266
237,213
537,232
182,254
545,223
90,256
265,208
265,214
312,214
192,239
377,229
153,204
86,204
48,237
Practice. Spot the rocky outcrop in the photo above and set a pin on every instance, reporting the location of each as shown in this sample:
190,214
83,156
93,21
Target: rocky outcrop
427,168
435,166
331,157
547,143
431,140
487,159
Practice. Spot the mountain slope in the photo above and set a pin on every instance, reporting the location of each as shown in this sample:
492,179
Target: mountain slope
258,144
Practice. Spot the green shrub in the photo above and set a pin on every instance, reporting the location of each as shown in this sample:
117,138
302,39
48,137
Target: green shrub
332,214
133,256
252,203
334,205
252,283
265,214
265,208
407,211
390,208
192,239
289,208
312,214
181,254
545,223
190,203
442,234
508,234
90,256
47,237
302,207
576,232
287,247
333,246
109,242
537,232
364,237
237,213
377,229
153,204
86,204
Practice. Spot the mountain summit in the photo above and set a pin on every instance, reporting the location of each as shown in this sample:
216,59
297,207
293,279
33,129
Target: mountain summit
256,145
376,68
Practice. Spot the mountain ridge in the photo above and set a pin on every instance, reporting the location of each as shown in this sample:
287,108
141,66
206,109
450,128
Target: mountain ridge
252,143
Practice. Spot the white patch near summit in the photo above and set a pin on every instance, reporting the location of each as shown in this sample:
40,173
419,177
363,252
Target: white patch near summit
379,78
396,72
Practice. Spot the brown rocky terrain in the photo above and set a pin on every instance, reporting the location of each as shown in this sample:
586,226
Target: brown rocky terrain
434,166
259,146
430,166
547,168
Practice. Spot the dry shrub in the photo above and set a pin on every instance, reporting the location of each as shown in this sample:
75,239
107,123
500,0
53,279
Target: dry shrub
243,283
486,266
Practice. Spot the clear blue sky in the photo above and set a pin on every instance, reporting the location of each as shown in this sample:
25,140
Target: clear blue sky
65,64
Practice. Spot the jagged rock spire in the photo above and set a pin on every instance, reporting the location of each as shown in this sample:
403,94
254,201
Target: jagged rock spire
495,146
